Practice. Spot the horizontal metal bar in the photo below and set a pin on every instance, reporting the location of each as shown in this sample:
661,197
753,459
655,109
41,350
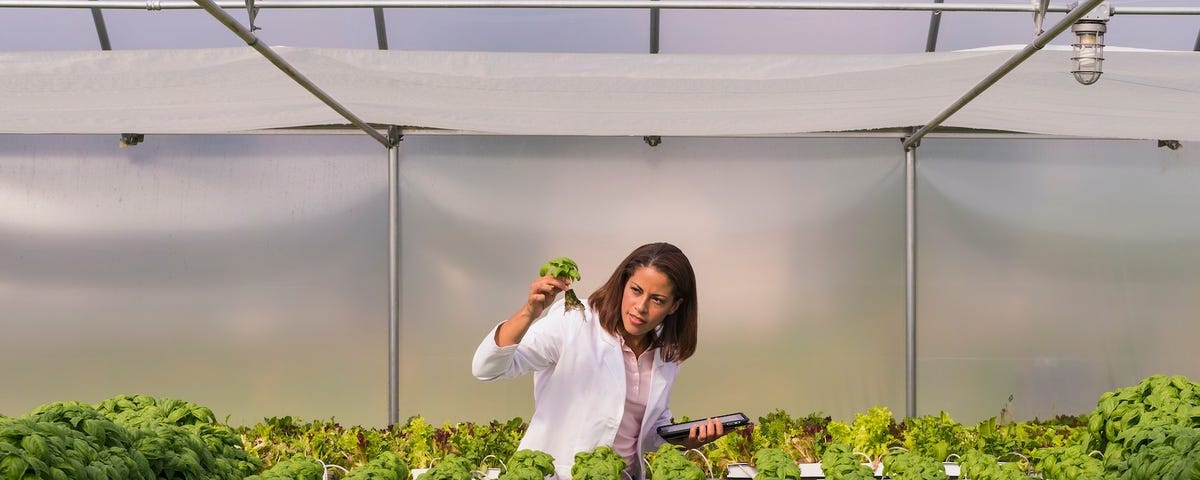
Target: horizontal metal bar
629,4
436,132
1155,10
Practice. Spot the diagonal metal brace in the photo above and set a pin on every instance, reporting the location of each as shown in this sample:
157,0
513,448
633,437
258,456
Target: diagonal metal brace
246,35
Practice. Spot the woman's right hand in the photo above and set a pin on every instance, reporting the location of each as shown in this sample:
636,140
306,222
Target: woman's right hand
542,293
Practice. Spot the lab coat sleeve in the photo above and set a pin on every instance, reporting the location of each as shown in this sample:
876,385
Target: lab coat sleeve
653,441
538,350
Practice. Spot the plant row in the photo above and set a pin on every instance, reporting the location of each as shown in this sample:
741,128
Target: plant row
1146,431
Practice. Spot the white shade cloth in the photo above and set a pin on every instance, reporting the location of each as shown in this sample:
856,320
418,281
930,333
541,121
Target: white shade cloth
1142,94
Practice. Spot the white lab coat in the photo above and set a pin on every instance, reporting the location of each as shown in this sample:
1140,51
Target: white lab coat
578,385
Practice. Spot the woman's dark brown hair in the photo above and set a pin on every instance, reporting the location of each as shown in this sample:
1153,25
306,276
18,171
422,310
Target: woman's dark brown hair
677,337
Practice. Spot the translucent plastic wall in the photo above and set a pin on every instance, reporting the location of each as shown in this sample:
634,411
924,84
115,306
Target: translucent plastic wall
797,246
1052,271
249,273
246,274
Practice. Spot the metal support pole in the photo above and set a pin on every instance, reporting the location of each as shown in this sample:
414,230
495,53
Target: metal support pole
211,7
101,29
1197,47
394,284
999,73
935,23
380,29
654,16
910,281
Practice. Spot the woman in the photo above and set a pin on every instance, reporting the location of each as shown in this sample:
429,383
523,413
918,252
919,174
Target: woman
602,376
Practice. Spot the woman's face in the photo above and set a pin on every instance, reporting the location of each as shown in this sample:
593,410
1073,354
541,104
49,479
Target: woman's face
649,297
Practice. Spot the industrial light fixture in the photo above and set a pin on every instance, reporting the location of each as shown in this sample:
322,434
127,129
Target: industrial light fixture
1089,46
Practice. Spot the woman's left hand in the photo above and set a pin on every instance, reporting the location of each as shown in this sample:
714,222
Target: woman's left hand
703,433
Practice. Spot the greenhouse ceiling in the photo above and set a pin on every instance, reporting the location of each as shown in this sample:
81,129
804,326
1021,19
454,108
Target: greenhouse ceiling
160,24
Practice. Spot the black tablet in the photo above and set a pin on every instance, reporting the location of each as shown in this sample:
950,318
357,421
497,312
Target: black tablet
676,431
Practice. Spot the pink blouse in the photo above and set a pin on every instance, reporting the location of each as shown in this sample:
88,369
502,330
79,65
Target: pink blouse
638,373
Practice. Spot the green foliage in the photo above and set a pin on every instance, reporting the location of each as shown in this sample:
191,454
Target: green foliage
1171,452
419,439
773,464
977,465
1127,418
800,438
450,467
561,267
326,440
68,440
738,446
936,436
416,443
907,465
300,467
871,433
528,465
1068,463
839,462
181,440
602,463
564,267
1001,439
386,466
474,441
670,464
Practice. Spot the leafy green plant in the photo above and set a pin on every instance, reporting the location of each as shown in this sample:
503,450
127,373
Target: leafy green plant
800,438
418,440
1067,463
450,467
68,440
181,440
299,467
936,436
1126,418
773,464
564,268
386,466
976,465
475,441
1171,452
907,465
668,463
602,463
839,462
280,438
738,446
528,465
871,433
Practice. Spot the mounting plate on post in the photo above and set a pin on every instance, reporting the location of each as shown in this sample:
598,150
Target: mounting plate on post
395,135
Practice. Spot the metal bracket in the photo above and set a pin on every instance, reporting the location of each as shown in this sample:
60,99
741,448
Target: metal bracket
1171,144
1101,13
130,139
915,145
252,11
395,135
1039,16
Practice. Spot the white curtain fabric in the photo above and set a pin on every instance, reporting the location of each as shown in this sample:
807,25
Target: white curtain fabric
1142,95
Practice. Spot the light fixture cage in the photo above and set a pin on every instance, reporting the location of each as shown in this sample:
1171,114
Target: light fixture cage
1089,51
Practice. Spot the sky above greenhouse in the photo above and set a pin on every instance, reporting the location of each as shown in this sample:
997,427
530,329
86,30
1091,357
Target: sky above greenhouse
581,30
